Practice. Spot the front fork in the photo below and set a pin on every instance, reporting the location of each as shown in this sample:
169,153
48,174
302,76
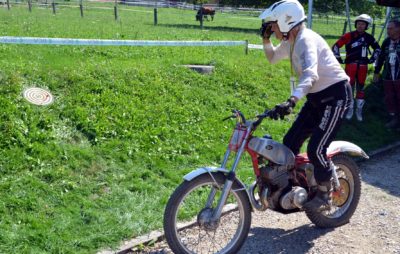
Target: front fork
336,183
229,179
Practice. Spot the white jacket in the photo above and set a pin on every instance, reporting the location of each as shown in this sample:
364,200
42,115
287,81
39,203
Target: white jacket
313,62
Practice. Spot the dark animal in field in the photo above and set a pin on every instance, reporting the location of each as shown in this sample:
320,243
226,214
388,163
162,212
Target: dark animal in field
206,11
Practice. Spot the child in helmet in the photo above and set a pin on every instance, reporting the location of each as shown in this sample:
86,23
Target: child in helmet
357,52
321,80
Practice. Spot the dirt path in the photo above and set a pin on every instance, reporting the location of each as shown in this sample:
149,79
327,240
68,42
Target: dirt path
374,228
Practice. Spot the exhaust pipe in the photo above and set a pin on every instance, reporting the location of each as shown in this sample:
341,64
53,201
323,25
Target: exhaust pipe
261,204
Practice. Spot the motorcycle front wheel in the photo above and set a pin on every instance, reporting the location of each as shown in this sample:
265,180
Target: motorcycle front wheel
186,219
344,200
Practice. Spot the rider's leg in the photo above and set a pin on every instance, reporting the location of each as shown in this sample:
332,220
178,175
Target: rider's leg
351,71
331,114
390,101
360,101
301,129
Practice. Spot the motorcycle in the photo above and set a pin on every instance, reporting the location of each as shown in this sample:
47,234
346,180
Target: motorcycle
210,211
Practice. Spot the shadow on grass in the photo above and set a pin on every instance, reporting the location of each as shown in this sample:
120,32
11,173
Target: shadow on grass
276,240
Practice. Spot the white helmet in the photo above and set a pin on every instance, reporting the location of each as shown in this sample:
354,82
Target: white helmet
287,13
363,17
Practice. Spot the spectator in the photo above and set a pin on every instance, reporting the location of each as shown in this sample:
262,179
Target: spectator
390,60
357,49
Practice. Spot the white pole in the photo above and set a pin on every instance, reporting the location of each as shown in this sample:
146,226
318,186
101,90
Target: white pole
388,12
309,18
348,14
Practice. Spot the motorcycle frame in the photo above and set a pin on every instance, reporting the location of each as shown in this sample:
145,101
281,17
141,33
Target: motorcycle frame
249,127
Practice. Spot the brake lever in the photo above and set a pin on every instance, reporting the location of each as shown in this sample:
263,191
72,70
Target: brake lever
265,114
229,117
261,117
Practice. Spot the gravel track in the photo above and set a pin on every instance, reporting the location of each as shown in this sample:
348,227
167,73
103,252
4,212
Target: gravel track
374,227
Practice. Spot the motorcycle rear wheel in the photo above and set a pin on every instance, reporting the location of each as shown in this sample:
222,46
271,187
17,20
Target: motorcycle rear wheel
345,201
184,231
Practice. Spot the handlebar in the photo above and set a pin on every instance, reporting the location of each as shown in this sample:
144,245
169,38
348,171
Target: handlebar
236,114
239,115
260,118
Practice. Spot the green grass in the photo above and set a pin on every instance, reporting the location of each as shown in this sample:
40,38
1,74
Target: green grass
99,164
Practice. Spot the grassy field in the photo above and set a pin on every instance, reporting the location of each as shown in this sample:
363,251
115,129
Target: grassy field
98,165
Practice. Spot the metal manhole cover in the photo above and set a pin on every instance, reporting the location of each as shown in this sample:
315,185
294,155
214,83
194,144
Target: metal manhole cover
38,96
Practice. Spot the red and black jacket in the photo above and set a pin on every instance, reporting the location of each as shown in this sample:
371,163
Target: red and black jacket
357,47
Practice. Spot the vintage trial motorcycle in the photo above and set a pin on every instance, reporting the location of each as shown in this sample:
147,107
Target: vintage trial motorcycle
210,212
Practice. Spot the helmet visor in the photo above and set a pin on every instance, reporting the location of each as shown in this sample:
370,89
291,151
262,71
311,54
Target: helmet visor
267,15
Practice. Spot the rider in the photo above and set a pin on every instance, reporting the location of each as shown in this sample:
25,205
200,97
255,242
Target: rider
357,48
320,78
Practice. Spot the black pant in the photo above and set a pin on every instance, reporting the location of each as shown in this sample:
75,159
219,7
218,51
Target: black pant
319,120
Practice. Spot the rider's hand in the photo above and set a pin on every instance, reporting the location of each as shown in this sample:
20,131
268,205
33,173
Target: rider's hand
376,78
371,60
340,60
283,109
266,30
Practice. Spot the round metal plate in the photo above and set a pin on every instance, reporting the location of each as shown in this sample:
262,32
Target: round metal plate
38,96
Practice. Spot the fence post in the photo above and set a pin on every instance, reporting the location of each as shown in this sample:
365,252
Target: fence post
8,4
373,30
115,11
309,18
155,17
53,5
201,16
344,27
30,5
81,7
247,47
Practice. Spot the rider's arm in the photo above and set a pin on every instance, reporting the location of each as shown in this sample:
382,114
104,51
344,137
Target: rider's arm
377,49
381,57
274,54
346,38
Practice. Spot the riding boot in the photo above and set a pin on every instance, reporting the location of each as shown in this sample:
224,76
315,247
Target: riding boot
322,199
350,110
360,105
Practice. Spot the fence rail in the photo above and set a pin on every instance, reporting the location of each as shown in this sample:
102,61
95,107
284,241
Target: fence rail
98,42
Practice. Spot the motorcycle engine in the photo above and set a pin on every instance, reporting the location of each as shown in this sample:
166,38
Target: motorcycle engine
276,177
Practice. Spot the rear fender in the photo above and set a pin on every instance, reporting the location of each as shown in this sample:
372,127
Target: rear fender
346,147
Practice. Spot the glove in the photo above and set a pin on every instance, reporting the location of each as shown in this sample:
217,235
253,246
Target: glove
283,109
374,56
265,30
340,60
371,60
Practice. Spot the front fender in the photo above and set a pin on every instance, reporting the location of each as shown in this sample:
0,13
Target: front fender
346,147
209,170
199,171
